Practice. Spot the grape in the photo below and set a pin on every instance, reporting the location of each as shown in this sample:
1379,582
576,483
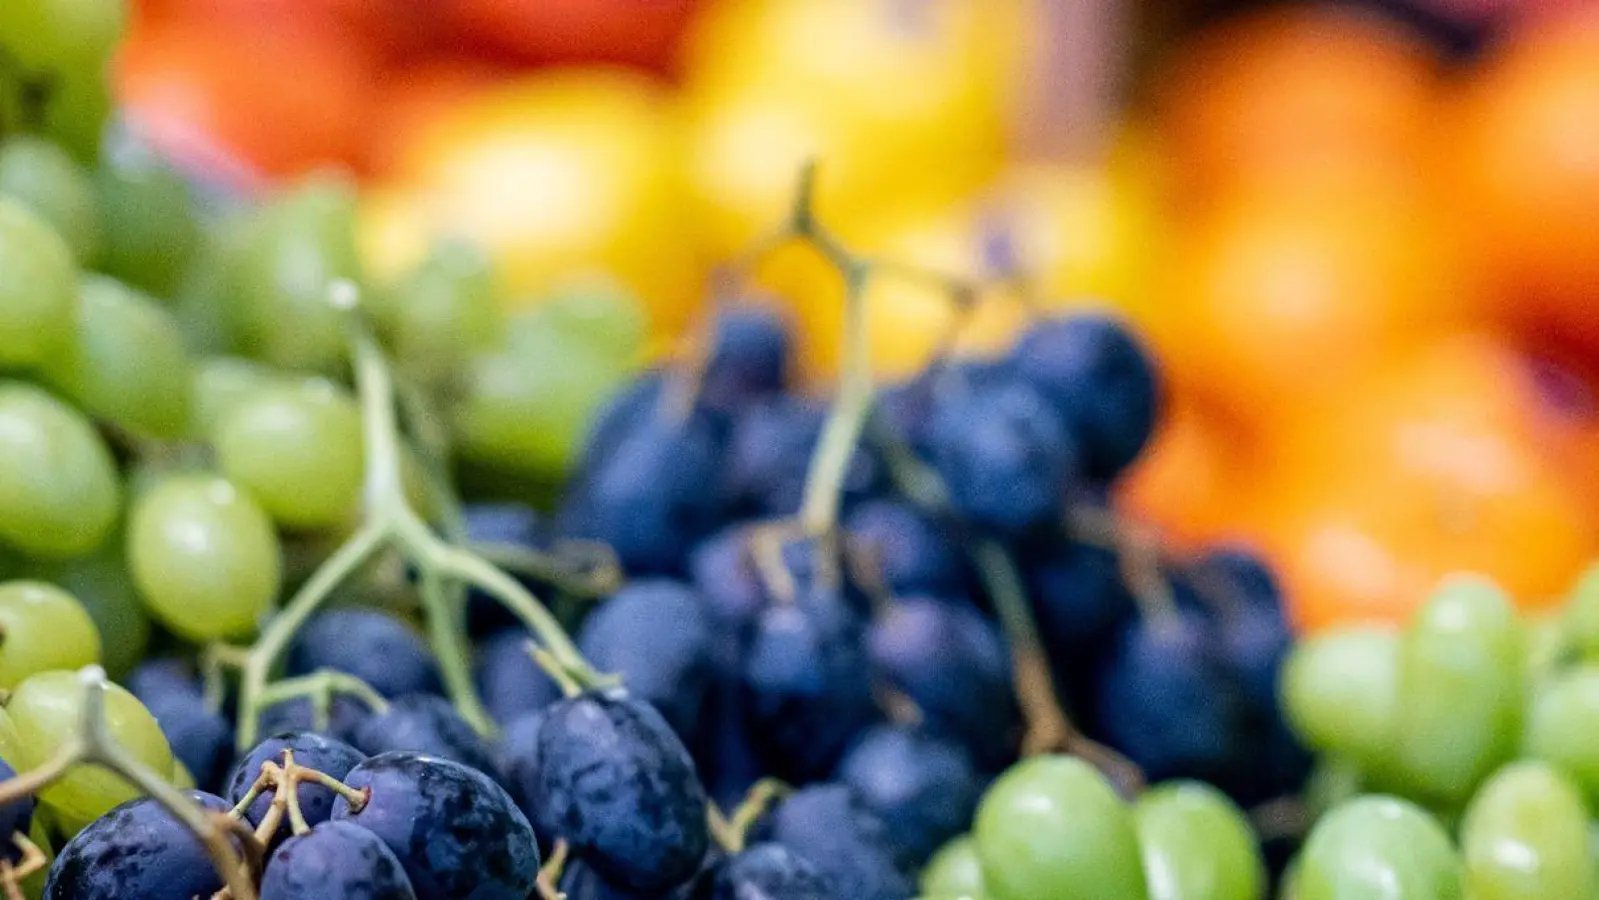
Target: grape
601,314
313,751
42,627
335,861
102,583
289,254
771,870
924,788
15,816
223,382
1582,615
1547,645
139,850
43,176
426,723
653,634
1197,845
619,786
126,363
150,235
203,556
1460,688
1525,837
846,842
373,645
67,44
1378,847
58,484
954,872
522,411
444,311
38,287
1052,826
508,680
1341,693
456,832
298,450
1563,727
45,709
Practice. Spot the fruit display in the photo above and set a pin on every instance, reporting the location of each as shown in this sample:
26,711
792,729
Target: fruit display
659,461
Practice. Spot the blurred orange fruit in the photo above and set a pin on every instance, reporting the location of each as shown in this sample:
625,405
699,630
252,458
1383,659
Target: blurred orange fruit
233,90
562,176
1443,462
1282,295
410,98
1272,94
1195,480
574,31
1526,167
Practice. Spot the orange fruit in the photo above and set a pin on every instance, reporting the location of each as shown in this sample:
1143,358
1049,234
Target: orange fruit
1526,177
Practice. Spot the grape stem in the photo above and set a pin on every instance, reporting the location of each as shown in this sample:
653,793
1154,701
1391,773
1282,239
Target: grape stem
31,861
93,744
392,524
1138,553
549,877
320,688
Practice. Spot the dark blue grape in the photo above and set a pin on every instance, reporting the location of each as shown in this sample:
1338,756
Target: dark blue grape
137,851
154,679
1100,379
618,418
654,493
902,411
923,788
312,751
15,817
725,753
826,824
373,646
724,574
426,723
955,666
513,524
771,872
1168,702
518,758
807,684
912,553
1003,452
199,736
654,634
1077,593
508,680
749,357
335,861
344,718
770,453
581,881
457,833
618,785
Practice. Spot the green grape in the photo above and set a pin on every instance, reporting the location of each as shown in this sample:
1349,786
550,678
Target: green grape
1461,685
954,872
280,272
1525,837
1052,826
58,483
1332,782
1378,848
221,383
602,314
1341,693
522,411
1582,615
45,710
1197,845
1548,646
441,313
65,45
101,582
203,556
38,288
42,627
150,235
43,176
182,778
297,450
1563,727
127,363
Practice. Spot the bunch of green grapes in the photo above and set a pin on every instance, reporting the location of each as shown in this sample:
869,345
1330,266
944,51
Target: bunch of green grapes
1472,718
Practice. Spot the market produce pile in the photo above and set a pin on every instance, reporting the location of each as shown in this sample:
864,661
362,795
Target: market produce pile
283,615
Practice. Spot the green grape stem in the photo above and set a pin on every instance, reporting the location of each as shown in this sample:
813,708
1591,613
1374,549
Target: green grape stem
757,800
549,879
321,687
391,523
93,744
